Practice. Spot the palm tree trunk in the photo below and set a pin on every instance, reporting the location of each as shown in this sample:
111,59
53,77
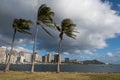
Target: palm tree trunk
34,48
58,64
8,63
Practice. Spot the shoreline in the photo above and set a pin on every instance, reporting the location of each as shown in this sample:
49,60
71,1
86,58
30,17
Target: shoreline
64,72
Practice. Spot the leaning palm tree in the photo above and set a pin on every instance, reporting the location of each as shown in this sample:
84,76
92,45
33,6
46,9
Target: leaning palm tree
22,26
44,19
68,28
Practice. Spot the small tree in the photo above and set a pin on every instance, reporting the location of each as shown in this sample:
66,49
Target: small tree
22,26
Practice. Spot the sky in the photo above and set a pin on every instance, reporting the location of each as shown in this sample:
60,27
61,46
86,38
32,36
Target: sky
98,23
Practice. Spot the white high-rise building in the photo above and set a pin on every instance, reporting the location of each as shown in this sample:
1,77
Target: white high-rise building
21,57
2,54
13,57
49,58
37,58
28,57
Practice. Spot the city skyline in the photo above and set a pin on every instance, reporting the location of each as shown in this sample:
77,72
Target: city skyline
97,21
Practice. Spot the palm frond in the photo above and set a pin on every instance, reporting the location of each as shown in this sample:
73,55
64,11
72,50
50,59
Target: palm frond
68,27
22,25
45,15
47,23
44,18
41,7
25,32
70,34
47,32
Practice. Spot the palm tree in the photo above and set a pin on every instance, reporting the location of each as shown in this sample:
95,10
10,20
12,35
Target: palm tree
19,25
68,28
44,19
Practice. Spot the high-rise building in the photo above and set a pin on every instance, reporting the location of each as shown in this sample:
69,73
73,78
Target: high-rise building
37,57
21,53
67,60
2,54
48,58
44,59
28,57
57,58
13,58
21,57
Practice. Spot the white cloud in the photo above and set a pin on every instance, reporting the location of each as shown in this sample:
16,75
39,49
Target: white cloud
118,5
77,51
18,49
109,54
95,21
88,52
24,41
65,53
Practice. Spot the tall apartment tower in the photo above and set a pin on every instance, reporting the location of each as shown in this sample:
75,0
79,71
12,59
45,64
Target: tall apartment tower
37,57
13,57
57,58
2,54
21,53
67,60
21,57
28,57
48,58
44,59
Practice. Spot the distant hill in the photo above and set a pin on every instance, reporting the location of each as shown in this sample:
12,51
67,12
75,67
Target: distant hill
92,62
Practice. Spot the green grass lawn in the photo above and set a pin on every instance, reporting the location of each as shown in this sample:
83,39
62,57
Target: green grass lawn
57,76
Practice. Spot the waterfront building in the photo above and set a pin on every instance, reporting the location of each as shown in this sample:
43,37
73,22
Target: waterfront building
48,58
73,61
13,58
28,57
57,58
37,58
21,53
44,59
2,54
21,57
67,60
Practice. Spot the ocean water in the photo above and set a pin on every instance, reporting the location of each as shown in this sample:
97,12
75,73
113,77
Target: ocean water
64,67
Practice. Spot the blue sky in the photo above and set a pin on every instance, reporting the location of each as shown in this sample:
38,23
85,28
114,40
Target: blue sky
114,4
98,22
